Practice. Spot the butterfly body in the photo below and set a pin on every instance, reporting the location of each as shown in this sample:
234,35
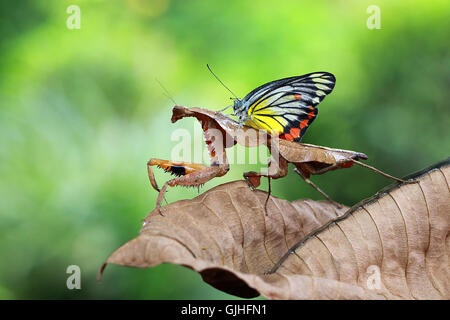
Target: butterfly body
285,107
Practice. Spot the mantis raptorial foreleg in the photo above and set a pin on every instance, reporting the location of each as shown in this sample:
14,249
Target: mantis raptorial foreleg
189,175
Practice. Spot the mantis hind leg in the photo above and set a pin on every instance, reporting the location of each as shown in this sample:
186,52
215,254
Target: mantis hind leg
276,171
308,181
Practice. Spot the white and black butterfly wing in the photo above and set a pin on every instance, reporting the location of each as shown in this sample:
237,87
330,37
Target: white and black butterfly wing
288,106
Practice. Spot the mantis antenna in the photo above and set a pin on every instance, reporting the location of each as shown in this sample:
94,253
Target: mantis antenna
165,91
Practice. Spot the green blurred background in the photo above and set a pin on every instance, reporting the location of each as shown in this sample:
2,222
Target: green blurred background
81,113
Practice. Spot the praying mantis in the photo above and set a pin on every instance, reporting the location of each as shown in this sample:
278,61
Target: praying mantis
222,132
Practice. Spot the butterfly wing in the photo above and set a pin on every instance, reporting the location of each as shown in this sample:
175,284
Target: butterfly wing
288,106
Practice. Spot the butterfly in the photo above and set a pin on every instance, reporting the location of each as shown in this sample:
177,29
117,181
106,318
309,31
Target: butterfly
285,107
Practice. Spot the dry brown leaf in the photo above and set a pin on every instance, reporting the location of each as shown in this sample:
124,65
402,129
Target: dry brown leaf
402,233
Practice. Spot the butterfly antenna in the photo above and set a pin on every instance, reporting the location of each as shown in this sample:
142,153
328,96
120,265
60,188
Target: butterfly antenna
166,93
209,68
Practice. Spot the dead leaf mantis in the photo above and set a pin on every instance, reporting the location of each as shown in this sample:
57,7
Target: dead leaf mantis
222,132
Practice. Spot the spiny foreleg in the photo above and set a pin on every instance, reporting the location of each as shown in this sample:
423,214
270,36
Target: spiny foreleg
189,175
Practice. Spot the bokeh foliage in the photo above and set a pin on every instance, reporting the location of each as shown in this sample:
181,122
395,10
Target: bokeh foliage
81,113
